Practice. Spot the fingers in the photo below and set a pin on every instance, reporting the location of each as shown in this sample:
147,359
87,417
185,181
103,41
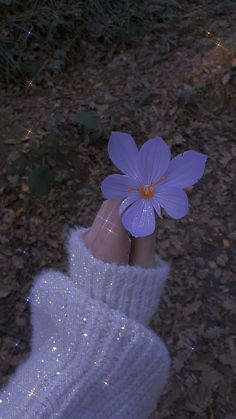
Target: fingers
107,238
109,241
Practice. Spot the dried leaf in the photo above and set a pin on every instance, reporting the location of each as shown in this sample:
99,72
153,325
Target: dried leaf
214,332
225,79
192,308
4,292
11,141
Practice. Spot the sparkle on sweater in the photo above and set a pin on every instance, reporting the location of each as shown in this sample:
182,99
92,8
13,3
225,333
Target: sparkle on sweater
32,392
115,324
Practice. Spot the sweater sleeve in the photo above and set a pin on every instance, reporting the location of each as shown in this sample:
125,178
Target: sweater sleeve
134,290
89,358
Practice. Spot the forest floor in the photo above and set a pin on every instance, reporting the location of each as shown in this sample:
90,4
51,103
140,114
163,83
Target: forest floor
189,99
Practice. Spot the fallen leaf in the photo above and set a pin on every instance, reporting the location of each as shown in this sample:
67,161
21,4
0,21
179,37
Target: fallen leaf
11,142
213,332
226,243
4,292
225,79
192,308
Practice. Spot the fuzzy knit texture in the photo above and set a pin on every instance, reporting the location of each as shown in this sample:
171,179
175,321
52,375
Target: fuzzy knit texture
92,355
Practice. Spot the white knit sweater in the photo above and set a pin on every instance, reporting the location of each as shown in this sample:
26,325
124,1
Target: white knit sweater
93,355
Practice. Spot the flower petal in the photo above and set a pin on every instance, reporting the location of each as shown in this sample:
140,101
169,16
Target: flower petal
139,219
133,196
123,153
173,200
153,159
117,186
185,169
156,205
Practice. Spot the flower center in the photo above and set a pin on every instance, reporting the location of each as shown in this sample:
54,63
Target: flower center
146,191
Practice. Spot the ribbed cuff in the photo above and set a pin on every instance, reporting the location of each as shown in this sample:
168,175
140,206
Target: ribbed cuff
133,290
92,361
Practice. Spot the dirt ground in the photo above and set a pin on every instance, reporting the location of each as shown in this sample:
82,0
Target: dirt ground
192,105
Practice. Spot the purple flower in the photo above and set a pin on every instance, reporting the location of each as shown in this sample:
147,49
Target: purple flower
150,181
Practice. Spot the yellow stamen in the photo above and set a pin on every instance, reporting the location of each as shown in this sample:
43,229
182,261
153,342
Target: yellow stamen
147,191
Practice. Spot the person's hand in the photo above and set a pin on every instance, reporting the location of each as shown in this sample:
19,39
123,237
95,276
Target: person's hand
109,241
